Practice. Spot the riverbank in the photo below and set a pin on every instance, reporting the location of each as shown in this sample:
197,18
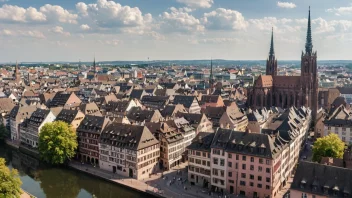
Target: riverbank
118,179
26,194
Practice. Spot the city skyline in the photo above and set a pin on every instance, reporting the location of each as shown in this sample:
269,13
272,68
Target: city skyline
176,30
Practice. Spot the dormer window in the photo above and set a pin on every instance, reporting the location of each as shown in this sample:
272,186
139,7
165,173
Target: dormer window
336,191
303,183
326,189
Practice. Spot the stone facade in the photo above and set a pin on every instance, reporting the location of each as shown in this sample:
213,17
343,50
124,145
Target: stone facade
286,91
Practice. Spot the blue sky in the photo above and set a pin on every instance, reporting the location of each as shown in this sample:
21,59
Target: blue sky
67,30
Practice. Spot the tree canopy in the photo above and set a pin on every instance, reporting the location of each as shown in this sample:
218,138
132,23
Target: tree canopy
10,183
57,142
328,146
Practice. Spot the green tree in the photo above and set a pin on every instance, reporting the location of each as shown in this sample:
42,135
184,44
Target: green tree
328,146
10,183
3,132
57,142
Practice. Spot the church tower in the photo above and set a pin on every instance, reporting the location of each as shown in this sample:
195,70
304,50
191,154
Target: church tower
271,62
309,74
17,74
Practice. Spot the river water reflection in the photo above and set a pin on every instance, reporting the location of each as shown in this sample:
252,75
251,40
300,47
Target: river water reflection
51,182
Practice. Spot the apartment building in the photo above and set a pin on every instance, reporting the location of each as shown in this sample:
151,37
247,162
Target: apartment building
253,164
171,145
340,123
199,121
313,180
190,103
71,117
199,160
88,133
17,115
37,120
129,150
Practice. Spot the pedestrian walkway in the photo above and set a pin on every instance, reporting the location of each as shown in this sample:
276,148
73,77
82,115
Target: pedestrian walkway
130,182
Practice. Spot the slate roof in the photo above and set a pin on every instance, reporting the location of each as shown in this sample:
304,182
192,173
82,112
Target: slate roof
131,137
324,180
140,115
202,142
93,124
38,116
254,144
186,101
67,115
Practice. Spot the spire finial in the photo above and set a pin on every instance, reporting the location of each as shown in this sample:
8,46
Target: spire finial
272,53
309,42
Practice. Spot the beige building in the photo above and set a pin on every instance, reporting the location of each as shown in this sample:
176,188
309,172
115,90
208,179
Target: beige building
72,117
37,120
129,150
17,116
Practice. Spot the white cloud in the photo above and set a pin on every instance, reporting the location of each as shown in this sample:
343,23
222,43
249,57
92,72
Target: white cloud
6,32
10,13
59,30
341,10
113,42
82,8
32,34
179,20
323,26
217,40
57,13
197,3
224,19
286,4
84,27
109,14
46,13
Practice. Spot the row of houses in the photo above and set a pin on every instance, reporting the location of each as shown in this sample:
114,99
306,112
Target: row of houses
247,163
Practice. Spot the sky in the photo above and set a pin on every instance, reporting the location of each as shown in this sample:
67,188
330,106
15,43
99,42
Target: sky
73,30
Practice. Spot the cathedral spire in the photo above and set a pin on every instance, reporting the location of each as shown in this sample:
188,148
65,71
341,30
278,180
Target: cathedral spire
309,42
272,53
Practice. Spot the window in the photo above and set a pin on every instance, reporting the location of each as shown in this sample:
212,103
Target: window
230,156
267,170
251,184
244,158
236,165
243,175
215,160
267,187
208,163
215,171
222,162
260,161
244,166
204,154
252,167
230,174
231,181
260,168
242,183
259,185
268,162
237,157
252,159
267,179
343,129
251,176
229,164
259,178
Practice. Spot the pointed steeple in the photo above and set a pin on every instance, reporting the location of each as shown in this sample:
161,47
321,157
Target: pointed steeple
211,72
309,42
94,66
272,52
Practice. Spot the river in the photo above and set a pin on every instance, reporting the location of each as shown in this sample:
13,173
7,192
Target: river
42,181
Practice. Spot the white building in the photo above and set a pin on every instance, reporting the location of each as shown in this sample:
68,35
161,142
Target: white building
37,120
128,150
